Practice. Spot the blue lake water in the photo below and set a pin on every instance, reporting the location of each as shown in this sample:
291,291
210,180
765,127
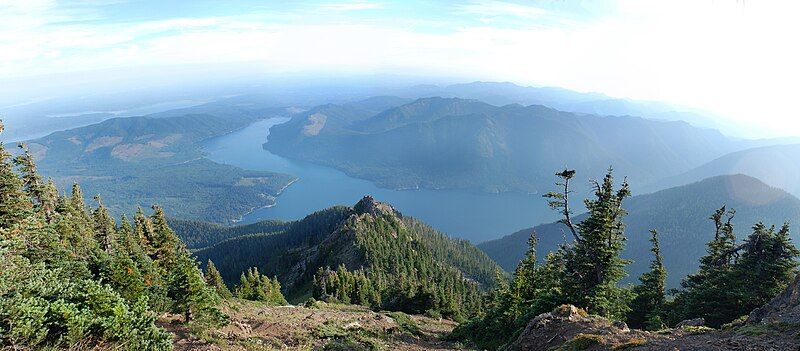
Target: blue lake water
470,215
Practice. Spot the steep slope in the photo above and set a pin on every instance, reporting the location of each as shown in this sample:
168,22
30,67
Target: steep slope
140,161
680,215
370,235
200,234
778,166
455,143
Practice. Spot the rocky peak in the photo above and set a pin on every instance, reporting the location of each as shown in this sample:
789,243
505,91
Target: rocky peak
368,205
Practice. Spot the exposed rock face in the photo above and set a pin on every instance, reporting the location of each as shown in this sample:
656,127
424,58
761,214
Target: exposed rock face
368,205
566,323
785,308
570,328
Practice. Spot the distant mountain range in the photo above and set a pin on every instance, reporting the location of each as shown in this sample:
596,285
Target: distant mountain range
505,93
777,165
680,215
141,161
469,144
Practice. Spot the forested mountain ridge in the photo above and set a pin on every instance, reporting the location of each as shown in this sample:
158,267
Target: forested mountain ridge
679,214
467,144
138,161
398,262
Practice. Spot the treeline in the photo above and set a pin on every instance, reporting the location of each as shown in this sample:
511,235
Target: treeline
70,276
401,270
733,278
273,253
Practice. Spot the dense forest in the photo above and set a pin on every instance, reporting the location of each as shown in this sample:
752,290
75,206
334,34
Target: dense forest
366,254
71,276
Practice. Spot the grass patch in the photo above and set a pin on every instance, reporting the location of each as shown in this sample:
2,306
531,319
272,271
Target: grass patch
697,330
405,323
636,342
763,329
582,342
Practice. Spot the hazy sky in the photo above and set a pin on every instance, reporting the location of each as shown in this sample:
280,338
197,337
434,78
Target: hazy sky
736,58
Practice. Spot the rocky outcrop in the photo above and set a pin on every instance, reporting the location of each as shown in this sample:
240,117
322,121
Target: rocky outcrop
568,325
570,328
368,205
783,309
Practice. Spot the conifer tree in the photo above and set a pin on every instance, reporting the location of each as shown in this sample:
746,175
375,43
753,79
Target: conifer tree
14,205
104,226
647,308
257,287
593,266
215,281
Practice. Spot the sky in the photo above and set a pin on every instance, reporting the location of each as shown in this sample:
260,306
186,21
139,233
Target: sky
737,59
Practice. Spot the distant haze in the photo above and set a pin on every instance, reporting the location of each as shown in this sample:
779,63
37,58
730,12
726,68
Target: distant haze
734,58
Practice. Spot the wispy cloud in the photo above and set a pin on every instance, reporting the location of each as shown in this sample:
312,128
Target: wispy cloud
350,6
638,50
493,8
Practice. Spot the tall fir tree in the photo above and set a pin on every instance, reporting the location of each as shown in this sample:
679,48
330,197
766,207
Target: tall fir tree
647,308
593,266
14,205
215,281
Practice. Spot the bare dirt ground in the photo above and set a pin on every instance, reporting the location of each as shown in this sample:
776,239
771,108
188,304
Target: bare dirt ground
254,326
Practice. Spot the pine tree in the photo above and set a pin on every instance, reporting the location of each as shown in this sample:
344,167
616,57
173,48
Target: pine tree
525,284
215,281
593,265
257,287
647,308
104,226
14,205
190,294
40,192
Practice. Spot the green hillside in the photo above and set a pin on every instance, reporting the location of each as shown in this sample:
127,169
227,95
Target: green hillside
139,161
467,144
406,264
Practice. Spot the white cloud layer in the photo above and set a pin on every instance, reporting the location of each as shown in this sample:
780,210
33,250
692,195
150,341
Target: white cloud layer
736,58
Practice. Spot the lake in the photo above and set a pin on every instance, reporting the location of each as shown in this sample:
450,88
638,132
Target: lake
470,215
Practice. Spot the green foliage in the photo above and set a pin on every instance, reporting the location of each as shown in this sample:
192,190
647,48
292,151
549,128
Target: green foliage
215,281
678,215
199,234
70,277
647,310
381,259
400,268
257,287
735,279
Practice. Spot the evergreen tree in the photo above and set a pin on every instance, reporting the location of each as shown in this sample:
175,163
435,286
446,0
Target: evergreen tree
257,287
14,205
215,281
41,193
593,266
734,279
647,308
